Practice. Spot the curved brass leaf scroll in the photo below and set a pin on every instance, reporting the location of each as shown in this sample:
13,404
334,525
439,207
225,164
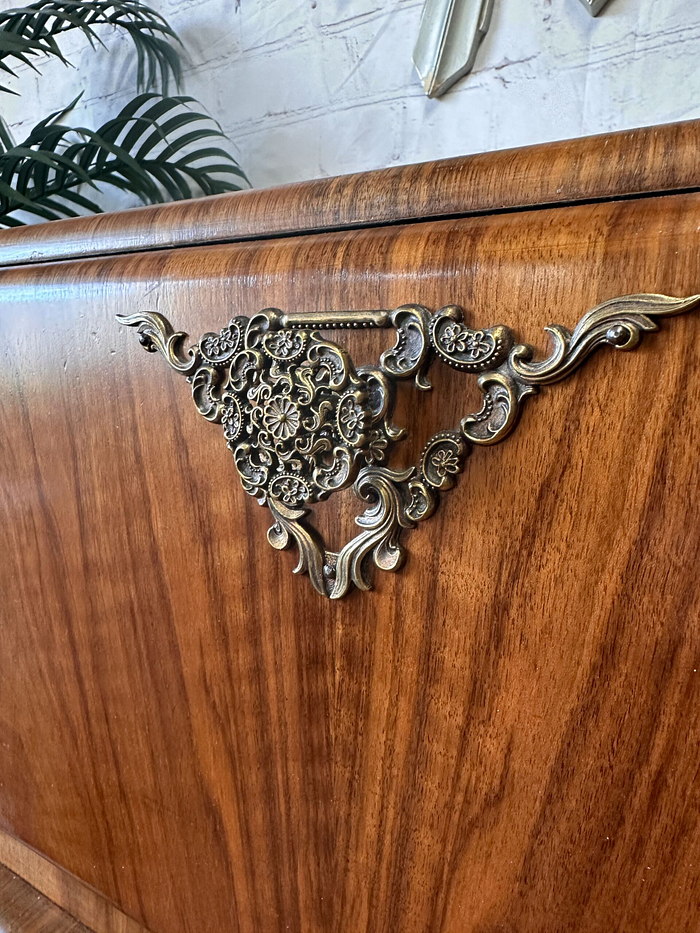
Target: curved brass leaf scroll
302,421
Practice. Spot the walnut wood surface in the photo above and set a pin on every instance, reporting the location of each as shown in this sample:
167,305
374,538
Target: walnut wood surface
502,737
60,887
24,910
633,162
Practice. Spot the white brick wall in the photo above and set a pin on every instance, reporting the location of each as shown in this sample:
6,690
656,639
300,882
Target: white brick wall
307,88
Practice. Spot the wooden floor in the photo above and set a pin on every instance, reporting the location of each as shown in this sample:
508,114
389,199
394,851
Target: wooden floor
24,910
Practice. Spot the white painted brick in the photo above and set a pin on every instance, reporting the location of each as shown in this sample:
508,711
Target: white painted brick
307,89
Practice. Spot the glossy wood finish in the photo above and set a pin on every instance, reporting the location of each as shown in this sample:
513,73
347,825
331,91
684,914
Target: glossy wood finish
58,886
614,165
502,737
24,910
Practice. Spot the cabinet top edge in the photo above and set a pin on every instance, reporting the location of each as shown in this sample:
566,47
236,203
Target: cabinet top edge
630,163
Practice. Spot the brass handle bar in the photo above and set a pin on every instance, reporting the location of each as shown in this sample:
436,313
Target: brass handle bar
328,320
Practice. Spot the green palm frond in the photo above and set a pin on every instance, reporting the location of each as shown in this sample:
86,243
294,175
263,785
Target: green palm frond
145,150
33,30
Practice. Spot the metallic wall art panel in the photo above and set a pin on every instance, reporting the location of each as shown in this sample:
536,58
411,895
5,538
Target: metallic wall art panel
303,422
594,6
449,37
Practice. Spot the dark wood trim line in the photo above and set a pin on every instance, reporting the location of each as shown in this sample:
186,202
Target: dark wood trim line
632,163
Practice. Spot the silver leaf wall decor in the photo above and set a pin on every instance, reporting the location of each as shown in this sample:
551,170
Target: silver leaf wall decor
449,37
594,6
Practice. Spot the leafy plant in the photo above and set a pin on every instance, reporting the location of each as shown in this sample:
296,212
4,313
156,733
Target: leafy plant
157,147
30,31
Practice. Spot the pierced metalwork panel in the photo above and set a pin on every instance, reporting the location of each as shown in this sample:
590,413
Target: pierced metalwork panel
302,421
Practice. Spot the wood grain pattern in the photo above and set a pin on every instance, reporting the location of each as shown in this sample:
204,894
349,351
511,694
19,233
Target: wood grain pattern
503,737
24,910
633,162
60,888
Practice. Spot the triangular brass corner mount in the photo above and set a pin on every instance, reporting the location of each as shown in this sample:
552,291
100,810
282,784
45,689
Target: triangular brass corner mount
302,422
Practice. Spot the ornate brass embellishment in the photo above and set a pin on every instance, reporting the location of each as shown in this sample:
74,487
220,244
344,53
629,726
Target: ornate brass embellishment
302,422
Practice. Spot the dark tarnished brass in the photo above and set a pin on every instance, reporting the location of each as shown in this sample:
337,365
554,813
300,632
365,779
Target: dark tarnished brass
303,422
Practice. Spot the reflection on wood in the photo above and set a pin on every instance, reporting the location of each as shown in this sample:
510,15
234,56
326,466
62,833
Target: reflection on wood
613,165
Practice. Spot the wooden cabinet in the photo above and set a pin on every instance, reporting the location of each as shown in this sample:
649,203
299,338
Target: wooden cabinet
503,736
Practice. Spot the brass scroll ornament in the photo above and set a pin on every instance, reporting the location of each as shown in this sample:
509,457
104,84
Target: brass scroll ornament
303,422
